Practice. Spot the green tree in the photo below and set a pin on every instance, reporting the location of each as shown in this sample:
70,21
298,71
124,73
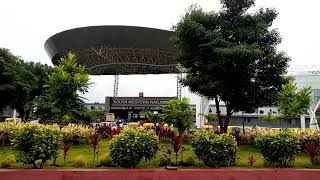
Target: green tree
62,98
231,56
29,84
7,86
294,102
210,117
20,82
93,115
153,117
178,113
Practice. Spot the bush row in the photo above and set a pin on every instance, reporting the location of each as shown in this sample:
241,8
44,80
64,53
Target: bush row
279,147
250,134
72,133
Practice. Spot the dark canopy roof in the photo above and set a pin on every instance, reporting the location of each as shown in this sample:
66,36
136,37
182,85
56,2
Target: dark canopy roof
108,50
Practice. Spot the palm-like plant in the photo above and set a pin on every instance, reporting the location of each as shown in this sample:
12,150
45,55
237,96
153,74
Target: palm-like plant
210,117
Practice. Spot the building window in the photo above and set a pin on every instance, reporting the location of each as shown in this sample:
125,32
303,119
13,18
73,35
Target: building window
261,112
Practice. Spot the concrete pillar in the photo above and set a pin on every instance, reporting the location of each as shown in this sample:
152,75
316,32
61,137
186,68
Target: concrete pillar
201,108
14,115
302,121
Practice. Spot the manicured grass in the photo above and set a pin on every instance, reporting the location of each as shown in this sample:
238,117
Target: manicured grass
245,151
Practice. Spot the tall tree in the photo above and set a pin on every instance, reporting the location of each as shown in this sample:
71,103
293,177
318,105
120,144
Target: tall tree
61,99
231,56
20,82
7,86
294,102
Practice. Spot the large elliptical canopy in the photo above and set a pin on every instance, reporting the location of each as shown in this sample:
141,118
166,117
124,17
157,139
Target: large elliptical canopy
117,50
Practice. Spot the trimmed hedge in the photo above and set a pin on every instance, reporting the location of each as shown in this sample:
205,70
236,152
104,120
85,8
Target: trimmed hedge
278,148
215,150
132,145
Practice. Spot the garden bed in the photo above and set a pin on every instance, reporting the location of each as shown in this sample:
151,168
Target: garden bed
245,151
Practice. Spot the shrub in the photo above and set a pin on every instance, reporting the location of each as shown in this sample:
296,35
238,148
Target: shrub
76,134
162,161
164,133
214,150
251,134
79,161
189,161
316,161
309,140
105,161
278,148
131,146
304,135
36,142
104,131
187,137
6,129
8,161
311,148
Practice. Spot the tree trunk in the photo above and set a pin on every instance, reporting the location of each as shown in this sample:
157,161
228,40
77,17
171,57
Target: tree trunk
218,112
244,132
227,119
27,114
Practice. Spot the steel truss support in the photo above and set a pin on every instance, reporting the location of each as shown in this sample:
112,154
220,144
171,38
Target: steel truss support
313,119
115,85
179,86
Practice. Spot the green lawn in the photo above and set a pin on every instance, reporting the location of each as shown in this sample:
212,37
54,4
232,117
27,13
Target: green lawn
86,150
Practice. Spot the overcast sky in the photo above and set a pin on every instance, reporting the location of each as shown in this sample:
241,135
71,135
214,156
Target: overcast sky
25,26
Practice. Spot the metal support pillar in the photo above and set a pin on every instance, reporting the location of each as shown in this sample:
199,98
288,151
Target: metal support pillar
179,86
115,85
201,109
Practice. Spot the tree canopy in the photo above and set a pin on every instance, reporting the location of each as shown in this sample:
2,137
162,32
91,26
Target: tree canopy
294,102
178,113
62,98
20,82
231,56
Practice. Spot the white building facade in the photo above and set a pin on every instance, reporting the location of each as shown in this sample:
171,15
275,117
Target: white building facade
303,75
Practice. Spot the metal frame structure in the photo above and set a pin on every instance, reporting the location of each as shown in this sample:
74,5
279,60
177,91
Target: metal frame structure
105,60
179,86
121,50
115,85
118,50
304,70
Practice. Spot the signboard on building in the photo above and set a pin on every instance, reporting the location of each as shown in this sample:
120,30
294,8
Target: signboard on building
137,103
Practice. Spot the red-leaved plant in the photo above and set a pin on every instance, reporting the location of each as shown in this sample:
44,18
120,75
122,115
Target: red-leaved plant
164,133
176,145
312,148
66,147
116,131
104,131
95,139
252,160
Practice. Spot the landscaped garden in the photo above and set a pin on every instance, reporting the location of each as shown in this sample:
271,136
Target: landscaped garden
229,57
26,146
